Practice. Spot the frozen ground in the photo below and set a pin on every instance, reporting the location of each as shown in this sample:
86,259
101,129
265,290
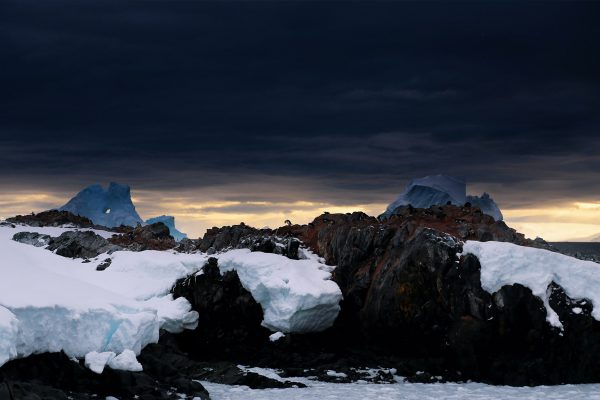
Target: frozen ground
405,391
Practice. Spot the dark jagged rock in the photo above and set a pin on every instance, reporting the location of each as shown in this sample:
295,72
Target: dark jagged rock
52,376
228,314
149,237
52,218
80,244
280,241
407,293
104,264
32,238
187,246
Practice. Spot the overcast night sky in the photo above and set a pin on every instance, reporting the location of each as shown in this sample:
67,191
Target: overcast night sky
218,112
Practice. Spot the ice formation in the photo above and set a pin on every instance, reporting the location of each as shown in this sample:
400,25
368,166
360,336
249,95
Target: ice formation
506,264
487,205
169,221
107,207
441,190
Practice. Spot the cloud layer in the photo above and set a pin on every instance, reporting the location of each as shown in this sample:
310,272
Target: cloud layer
330,103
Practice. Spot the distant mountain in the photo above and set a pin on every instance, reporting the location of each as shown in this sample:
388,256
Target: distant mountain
169,221
441,190
108,207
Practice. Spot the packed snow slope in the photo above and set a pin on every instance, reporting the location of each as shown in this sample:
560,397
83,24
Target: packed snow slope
108,207
169,221
58,303
50,303
441,190
506,264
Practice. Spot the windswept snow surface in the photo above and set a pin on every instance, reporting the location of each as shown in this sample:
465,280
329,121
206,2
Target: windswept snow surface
405,391
59,303
507,264
295,295
50,303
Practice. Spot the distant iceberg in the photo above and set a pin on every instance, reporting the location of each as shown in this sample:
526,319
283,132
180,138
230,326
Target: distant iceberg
169,221
441,190
487,205
108,207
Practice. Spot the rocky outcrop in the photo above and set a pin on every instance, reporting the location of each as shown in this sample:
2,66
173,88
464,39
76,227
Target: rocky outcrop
281,241
72,244
229,317
32,238
149,237
52,218
80,244
407,292
53,376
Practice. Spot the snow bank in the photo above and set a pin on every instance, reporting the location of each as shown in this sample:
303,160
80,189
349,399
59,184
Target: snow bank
295,295
9,331
507,264
50,303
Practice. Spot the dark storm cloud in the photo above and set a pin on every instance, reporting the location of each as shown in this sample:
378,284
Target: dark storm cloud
353,96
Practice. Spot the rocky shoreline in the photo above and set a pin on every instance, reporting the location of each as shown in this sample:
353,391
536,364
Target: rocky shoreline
413,304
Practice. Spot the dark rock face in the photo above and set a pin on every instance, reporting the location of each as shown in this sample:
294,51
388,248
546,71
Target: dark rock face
32,238
150,237
80,244
229,317
407,293
52,376
52,218
280,241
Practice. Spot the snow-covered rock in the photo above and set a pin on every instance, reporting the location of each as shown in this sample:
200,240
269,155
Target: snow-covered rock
441,190
169,221
295,295
108,207
487,205
50,303
506,264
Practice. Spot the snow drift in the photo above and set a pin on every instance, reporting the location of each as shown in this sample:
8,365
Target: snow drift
506,264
